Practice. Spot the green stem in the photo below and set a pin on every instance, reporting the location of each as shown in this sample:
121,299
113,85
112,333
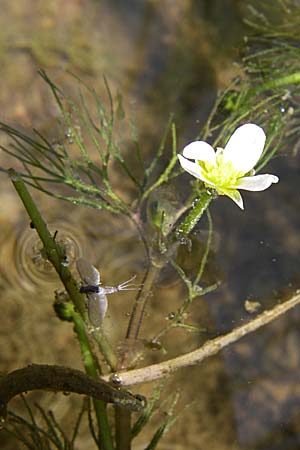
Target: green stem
90,365
137,314
166,173
56,257
199,207
123,429
89,361
293,78
106,349
54,251
206,251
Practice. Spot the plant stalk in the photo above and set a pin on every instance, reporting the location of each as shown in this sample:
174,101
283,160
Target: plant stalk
199,207
56,257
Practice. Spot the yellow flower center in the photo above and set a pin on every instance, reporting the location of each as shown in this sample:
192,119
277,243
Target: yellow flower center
221,175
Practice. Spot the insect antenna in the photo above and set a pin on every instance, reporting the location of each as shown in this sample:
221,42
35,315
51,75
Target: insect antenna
128,286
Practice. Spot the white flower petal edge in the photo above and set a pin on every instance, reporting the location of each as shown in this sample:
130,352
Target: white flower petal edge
193,168
257,183
224,170
245,147
200,151
235,196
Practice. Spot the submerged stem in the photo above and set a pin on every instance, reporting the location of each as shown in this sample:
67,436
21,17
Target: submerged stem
210,348
155,266
55,255
54,252
123,429
138,310
293,78
199,207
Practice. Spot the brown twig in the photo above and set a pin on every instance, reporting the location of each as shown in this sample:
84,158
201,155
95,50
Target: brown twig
210,348
64,379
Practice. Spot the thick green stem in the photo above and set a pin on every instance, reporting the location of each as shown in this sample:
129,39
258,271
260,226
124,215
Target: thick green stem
89,361
53,250
293,78
90,366
123,429
199,207
56,257
106,349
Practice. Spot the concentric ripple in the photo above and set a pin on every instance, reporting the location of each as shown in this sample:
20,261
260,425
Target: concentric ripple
29,267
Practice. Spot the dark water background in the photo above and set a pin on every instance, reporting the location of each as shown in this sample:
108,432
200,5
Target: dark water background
168,56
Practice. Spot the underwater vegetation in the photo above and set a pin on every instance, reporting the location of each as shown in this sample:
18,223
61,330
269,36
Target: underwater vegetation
253,120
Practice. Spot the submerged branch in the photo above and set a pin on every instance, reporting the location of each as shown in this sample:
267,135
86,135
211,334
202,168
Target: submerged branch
138,309
63,379
56,256
55,253
210,348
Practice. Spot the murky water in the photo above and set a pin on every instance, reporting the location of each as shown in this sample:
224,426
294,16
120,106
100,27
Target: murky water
163,57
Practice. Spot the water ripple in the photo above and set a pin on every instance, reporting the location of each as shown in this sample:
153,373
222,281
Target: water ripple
23,258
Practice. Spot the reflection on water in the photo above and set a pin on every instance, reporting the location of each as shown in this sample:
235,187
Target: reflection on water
163,57
31,259
23,259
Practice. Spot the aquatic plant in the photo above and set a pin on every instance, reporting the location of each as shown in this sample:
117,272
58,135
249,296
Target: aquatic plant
225,170
170,224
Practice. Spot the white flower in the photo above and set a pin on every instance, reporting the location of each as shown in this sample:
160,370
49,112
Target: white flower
225,169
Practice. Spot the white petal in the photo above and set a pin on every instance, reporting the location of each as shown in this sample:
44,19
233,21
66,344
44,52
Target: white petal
245,147
235,196
193,168
200,151
257,183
